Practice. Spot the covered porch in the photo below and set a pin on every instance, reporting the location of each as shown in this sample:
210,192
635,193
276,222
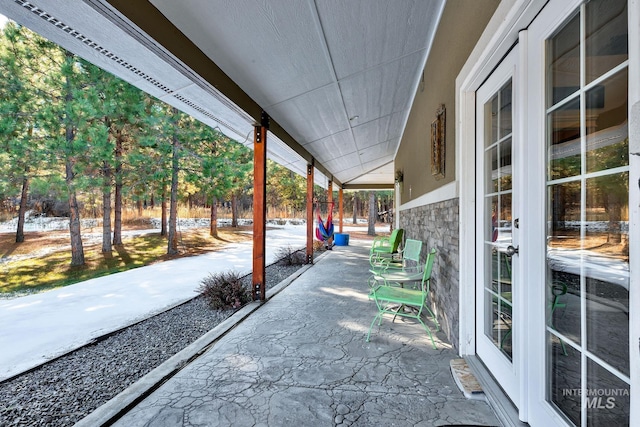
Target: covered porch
301,359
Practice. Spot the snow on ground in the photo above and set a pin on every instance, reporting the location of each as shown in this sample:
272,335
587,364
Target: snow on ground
591,264
38,327
35,222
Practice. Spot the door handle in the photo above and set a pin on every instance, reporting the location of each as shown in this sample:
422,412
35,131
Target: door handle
511,251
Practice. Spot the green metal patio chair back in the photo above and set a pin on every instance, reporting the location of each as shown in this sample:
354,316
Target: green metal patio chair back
395,239
410,262
388,297
428,268
412,251
386,245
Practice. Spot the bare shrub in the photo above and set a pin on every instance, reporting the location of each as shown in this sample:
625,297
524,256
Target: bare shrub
224,290
318,246
289,256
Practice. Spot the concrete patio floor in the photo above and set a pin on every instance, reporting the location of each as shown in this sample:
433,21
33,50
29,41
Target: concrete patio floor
301,359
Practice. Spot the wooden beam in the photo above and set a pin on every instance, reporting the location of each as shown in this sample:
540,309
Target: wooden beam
340,209
310,172
259,207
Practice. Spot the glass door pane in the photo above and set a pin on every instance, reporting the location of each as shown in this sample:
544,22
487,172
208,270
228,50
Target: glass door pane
587,254
498,196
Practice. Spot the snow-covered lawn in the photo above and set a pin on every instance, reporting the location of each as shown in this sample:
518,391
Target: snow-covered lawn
38,327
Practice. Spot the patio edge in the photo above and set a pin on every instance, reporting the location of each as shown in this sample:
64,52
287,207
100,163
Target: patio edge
120,404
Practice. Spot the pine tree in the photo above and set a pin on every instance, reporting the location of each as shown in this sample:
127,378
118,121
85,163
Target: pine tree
20,94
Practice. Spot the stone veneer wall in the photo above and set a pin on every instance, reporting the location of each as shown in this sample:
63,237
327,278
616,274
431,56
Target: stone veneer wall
437,226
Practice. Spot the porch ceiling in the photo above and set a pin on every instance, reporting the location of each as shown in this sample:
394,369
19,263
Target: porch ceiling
336,77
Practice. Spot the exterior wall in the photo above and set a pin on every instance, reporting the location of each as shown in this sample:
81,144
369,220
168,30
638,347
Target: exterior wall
461,25
431,207
437,226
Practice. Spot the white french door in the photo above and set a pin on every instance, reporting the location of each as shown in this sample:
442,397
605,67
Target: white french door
498,321
557,214
578,137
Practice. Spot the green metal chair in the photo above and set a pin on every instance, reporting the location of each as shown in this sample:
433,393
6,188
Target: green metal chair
558,290
386,246
409,264
391,294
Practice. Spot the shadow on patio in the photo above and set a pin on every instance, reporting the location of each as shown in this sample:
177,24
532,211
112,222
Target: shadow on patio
302,359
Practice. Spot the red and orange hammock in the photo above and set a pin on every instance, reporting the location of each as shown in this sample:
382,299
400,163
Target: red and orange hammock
324,231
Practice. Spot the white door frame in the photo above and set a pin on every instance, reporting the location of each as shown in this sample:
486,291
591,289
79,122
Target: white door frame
634,205
506,373
541,413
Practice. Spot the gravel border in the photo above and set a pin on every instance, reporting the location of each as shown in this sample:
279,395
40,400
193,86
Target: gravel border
65,390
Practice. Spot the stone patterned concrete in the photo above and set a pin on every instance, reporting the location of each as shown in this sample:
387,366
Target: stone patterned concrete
302,360
437,226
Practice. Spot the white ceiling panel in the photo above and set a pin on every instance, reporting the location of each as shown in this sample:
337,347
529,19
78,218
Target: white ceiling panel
327,71
382,129
319,113
354,172
368,33
274,50
376,164
333,146
342,163
376,152
383,90
379,151
383,173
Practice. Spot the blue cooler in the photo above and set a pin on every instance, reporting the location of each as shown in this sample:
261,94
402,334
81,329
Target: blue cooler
341,239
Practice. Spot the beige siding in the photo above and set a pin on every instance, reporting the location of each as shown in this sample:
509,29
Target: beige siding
462,24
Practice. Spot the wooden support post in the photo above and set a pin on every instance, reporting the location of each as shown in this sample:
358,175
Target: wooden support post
310,171
340,209
259,207
329,201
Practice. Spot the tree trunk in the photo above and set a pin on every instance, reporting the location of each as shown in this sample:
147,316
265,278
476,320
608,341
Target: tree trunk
22,210
139,206
163,214
107,247
614,209
371,231
234,210
77,251
172,246
213,228
152,202
117,203
355,209
23,207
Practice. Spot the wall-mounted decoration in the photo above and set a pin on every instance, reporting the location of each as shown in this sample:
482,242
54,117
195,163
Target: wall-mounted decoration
438,143
399,176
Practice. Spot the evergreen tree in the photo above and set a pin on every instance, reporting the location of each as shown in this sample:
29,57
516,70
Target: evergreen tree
120,122
20,94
